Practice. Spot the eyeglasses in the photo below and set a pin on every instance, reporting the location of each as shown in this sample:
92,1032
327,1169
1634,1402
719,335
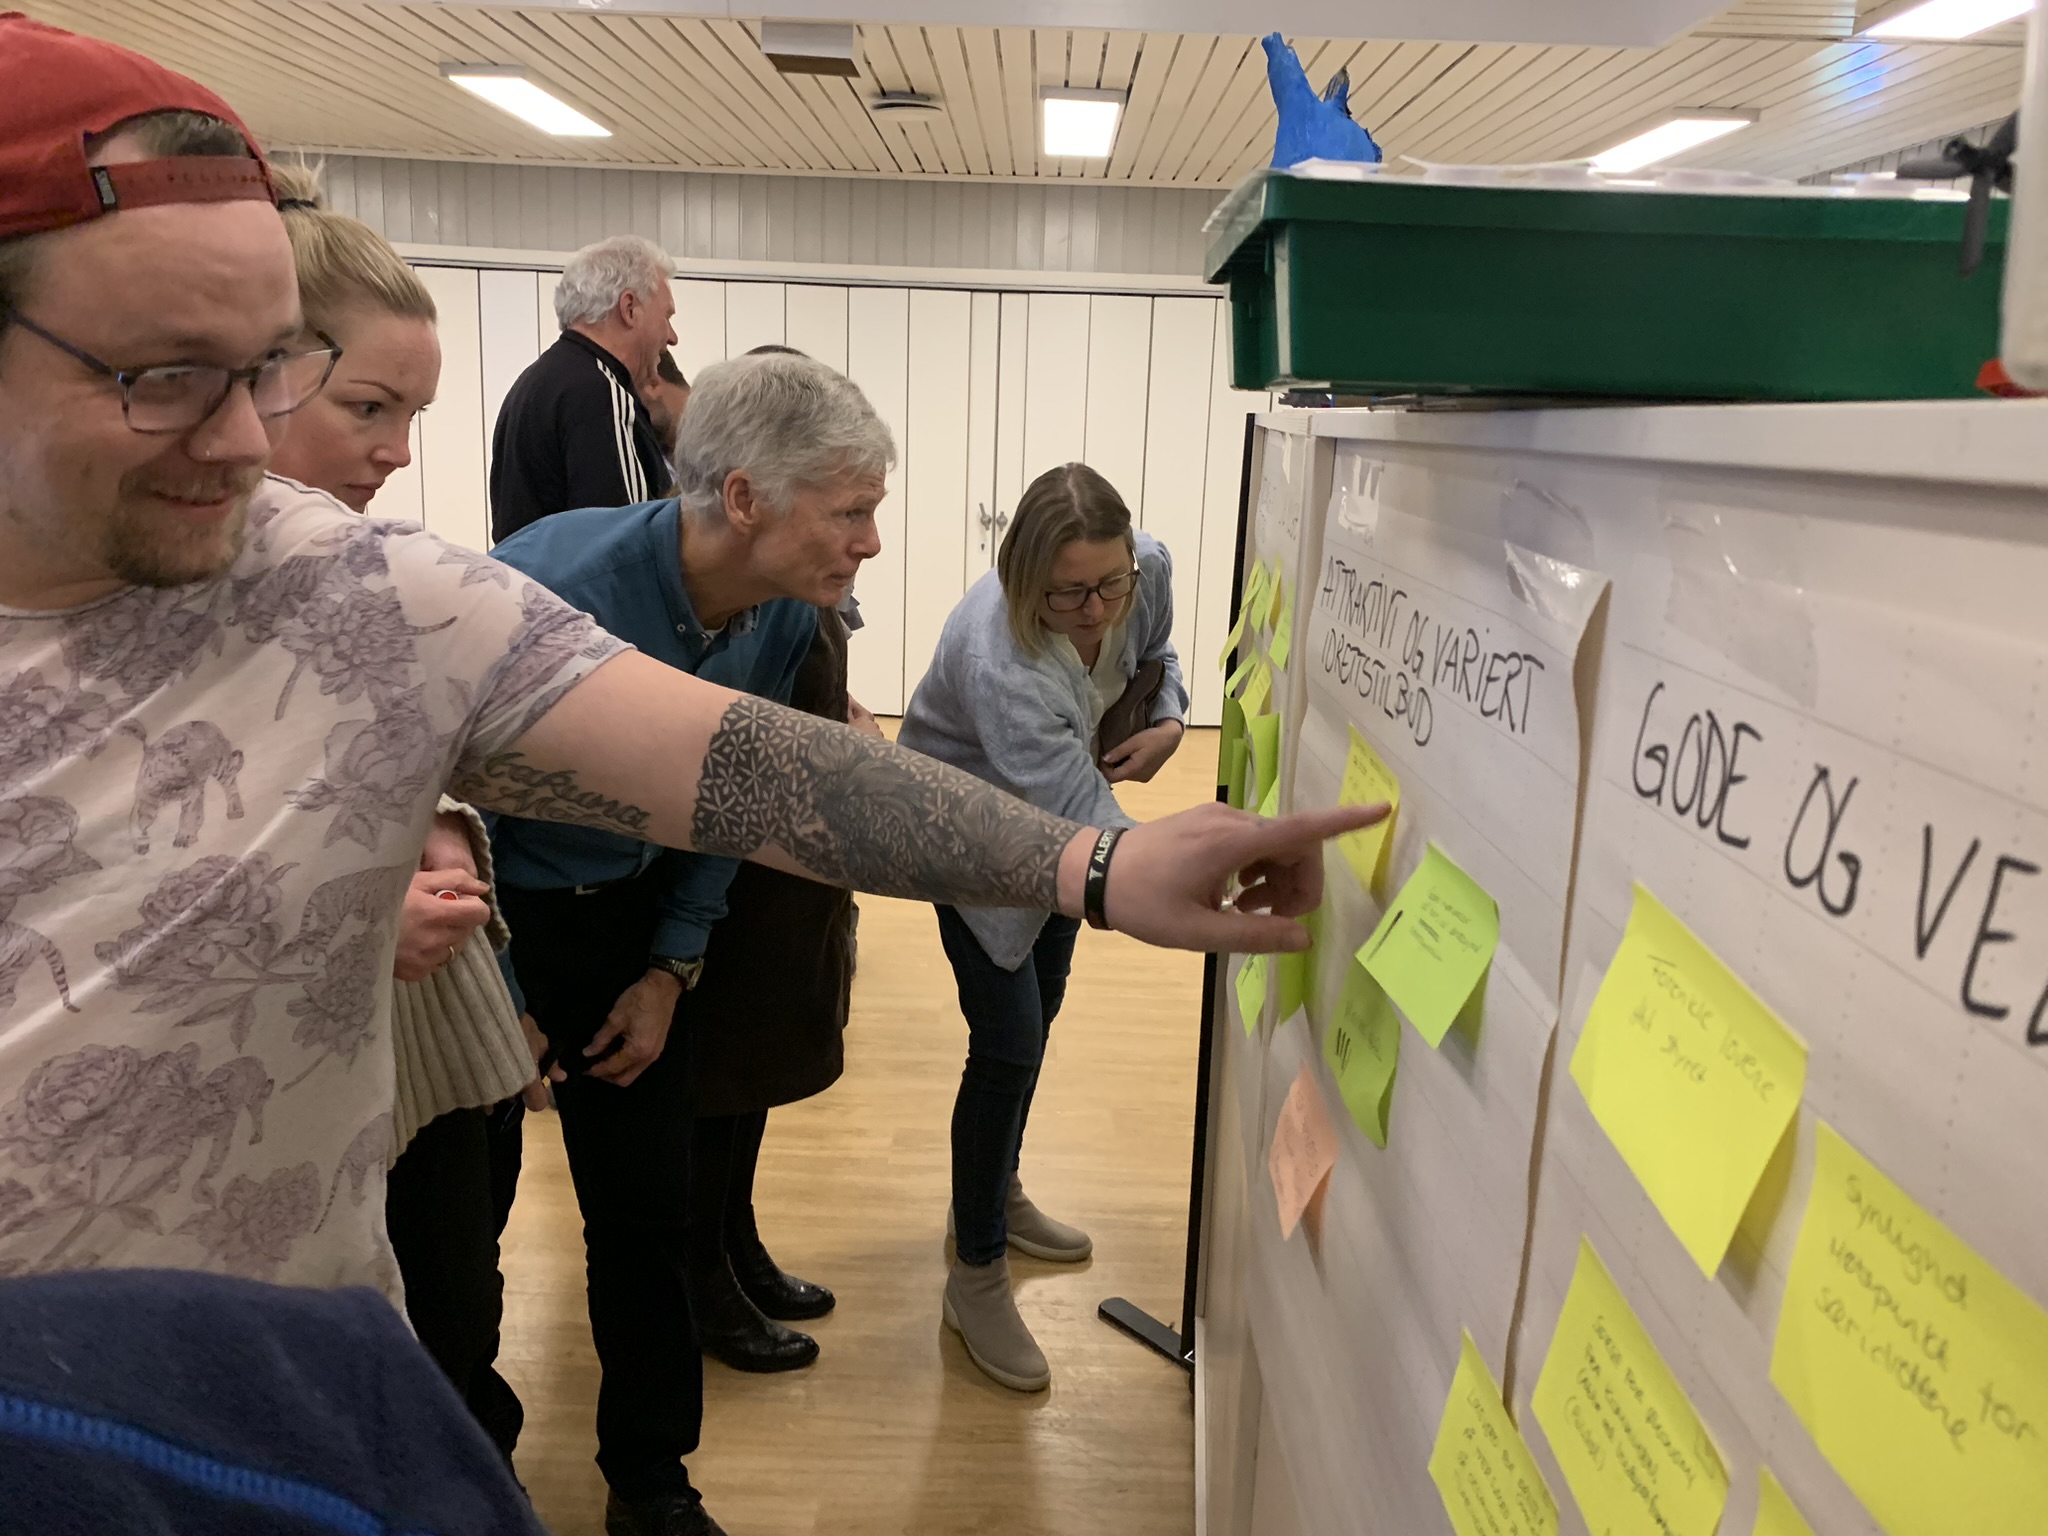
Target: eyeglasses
176,397
1111,589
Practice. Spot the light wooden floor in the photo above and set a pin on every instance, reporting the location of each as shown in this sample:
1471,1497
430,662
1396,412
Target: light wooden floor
893,1430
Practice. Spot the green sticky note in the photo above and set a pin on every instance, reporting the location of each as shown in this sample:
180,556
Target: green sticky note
1258,693
1434,944
1233,736
1233,685
1367,781
1240,773
1283,634
1276,593
1269,802
1363,1046
1264,736
1251,990
1231,644
1294,981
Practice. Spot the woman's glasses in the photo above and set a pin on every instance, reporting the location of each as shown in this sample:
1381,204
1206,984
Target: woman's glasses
1111,589
176,397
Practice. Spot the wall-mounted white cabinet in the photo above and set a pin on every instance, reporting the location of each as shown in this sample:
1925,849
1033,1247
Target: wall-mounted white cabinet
982,390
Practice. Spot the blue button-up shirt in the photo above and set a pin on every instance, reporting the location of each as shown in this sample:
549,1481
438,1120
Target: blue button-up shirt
623,566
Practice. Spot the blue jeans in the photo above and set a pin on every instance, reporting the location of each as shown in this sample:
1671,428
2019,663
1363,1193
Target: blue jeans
1009,1017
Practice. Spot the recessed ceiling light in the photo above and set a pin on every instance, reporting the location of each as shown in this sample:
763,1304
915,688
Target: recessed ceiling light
1079,124
1674,136
509,90
1946,20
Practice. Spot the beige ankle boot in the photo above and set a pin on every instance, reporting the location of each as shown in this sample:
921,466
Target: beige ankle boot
980,1308
1034,1232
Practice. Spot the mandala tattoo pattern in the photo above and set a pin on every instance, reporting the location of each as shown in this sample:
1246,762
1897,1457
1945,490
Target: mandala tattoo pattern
871,815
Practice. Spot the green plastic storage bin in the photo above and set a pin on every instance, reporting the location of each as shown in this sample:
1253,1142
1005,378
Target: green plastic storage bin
1393,286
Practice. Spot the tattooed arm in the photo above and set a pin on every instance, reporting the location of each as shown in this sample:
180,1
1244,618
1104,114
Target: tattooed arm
642,749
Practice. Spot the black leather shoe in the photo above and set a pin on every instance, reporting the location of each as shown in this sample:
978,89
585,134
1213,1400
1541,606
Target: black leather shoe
666,1514
731,1328
777,1294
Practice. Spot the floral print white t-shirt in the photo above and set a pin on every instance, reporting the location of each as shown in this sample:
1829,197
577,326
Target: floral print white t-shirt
212,798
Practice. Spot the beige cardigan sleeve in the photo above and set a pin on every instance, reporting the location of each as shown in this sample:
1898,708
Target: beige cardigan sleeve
456,1038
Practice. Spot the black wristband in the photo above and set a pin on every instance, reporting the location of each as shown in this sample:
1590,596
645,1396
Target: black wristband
1096,890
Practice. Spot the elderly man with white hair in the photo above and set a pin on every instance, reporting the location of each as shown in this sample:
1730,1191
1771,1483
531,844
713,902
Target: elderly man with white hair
780,464
574,431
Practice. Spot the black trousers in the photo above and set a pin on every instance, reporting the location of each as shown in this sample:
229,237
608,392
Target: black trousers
724,1151
629,1157
442,1209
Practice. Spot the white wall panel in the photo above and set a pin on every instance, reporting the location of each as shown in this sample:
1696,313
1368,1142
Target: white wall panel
510,337
1010,225
1119,366
877,344
700,325
1176,446
546,326
1055,382
938,507
978,550
451,431
753,317
815,322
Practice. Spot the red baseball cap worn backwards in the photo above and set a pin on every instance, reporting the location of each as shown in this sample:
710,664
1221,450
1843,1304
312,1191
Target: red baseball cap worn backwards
56,90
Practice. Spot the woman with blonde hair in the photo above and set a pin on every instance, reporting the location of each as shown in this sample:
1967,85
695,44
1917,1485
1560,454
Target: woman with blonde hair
1055,678
458,1040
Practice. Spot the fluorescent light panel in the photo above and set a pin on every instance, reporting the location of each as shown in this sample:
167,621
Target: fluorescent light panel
510,91
1669,138
1080,124
1946,20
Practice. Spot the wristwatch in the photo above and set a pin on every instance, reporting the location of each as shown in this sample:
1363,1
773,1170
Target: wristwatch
684,971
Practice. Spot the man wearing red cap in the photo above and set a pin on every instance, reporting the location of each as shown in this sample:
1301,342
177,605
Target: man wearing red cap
228,707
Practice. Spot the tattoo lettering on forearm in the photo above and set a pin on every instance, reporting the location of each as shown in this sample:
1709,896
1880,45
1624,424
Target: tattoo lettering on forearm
871,815
508,782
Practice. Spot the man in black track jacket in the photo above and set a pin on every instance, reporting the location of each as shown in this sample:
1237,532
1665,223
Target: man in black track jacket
573,431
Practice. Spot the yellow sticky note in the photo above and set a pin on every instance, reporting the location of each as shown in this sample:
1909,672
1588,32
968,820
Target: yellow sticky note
1363,1047
1263,735
1269,803
1282,645
1276,593
1252,980
1296,973
1633,1451
1240,769
1776,1515
1691,1076
1920,1371
1489,1482
1259,691
1434,944
1234,639
1234,684
1367,781
1304,1150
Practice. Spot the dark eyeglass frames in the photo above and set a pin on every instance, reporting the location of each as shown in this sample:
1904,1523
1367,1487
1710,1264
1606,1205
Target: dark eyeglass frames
176,397
1111,589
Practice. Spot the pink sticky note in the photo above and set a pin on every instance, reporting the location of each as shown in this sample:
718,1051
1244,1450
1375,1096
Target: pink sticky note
1304,1150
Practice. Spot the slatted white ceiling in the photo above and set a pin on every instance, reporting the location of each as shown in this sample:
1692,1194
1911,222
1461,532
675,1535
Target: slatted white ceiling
690,93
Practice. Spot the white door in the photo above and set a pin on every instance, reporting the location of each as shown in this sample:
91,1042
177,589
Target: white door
699,323
978,547
938,506
1055,382
877,356
1177,458
1013,335
753,317
507,312
1119,374
814,321
451,430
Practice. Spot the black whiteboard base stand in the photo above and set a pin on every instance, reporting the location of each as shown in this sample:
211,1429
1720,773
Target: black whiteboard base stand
1179,1347
1148,1330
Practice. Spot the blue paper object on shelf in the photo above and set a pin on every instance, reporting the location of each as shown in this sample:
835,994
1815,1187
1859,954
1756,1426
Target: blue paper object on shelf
1310,127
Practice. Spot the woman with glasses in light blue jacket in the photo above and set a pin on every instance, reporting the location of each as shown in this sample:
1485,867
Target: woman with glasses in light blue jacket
1055,678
